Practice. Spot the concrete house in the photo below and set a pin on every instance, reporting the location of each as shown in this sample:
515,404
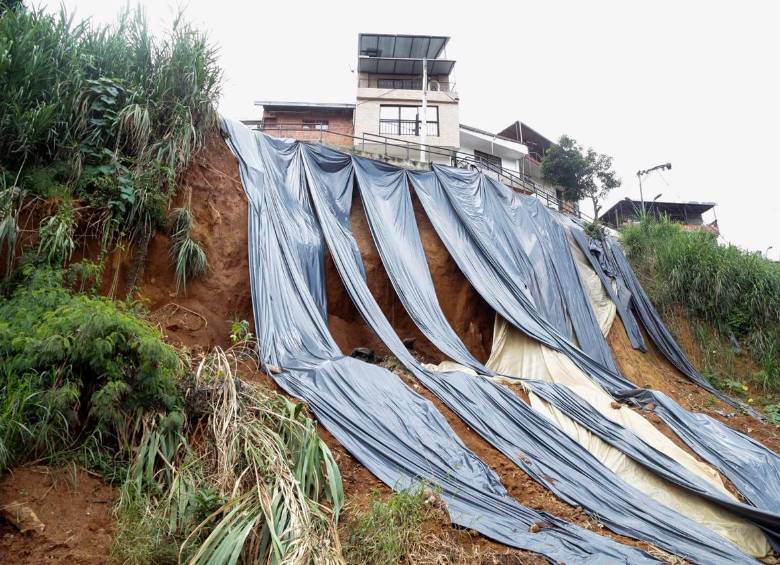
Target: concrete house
406,110
405,91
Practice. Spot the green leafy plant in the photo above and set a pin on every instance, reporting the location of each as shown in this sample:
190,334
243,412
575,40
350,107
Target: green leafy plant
239,331
580,173
56,242
260,485
103,115
188,257
387,531
74,364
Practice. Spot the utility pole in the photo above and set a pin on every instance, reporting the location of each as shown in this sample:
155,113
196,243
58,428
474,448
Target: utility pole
424,117
640,174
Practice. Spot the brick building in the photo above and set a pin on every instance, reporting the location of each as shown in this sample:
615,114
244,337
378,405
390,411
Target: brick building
308,121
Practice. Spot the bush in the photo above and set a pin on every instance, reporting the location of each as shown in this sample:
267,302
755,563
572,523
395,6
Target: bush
734,291
76,364
105,115
388,531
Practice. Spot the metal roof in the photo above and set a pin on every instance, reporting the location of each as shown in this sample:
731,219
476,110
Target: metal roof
393,66
401,46
628,208
298,105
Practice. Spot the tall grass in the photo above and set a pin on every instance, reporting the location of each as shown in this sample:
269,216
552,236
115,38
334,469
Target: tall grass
188,258
734,291
114,110
257,486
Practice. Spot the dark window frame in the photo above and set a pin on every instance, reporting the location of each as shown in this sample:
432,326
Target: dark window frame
401,127
316,125
492,162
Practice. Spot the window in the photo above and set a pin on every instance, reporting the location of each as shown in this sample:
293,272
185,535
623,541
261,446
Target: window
490,161
406,120
321,125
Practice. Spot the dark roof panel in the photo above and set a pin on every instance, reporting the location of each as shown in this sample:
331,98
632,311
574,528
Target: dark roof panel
392,66
401,46
627,208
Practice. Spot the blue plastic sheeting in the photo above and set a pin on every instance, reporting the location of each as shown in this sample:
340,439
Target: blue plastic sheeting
596,254
530,440
754,469
457,209
468,219
384,192
643,453
397,434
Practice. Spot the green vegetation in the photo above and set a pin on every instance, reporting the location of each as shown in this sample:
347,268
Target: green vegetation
256,485
388,531
187,255
732,294
579,172
95,123
79,371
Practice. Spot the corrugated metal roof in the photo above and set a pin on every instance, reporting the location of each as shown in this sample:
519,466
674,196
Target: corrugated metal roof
401,46
391,66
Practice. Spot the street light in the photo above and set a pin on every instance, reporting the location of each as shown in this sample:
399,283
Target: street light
641,173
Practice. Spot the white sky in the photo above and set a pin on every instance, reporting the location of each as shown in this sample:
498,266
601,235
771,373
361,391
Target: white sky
694,83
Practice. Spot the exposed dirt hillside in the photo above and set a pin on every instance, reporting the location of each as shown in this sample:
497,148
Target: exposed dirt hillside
201,318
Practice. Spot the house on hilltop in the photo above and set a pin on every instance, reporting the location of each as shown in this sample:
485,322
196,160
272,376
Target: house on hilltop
406,111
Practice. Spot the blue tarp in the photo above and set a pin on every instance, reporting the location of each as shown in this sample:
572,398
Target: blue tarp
530,440
396,433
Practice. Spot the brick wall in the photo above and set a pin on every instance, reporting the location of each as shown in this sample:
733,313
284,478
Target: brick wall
290,124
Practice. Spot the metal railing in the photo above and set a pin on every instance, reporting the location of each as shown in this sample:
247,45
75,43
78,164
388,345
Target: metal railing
406,127
406,84
382,145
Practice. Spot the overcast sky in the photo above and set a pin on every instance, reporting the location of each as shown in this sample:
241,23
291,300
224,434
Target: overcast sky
693,83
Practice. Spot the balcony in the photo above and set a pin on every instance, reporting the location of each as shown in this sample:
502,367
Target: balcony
405,84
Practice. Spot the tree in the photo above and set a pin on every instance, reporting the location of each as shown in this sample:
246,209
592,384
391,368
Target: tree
581,174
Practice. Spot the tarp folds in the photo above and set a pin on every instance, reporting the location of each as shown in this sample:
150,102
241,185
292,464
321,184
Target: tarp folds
531,441
387,203
619,294
397,434
496,278
754,469
647,455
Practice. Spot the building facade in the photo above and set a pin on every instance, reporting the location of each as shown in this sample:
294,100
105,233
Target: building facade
405,92
407,109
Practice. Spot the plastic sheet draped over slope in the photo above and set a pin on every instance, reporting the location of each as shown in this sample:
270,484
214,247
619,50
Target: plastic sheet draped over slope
647,455
493,411
457,219
458,205
394,432
754,469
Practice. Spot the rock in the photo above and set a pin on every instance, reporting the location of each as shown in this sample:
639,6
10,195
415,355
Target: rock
616,405
364,354
22,517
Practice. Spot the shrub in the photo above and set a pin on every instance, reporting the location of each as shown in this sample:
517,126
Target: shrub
103,114
75,364
388,531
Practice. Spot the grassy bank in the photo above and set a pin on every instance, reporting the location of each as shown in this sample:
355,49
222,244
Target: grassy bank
732,298
95,123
